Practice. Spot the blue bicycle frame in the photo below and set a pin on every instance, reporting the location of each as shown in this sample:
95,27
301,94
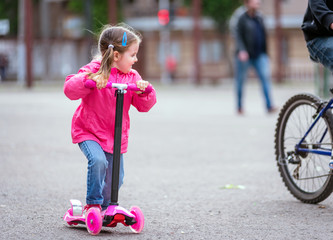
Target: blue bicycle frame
322,151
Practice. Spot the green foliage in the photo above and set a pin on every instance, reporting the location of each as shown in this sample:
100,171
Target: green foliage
76,6
99,12
219,10
9,10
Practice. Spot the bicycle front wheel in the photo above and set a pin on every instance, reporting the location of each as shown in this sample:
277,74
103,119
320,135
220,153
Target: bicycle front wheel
306,175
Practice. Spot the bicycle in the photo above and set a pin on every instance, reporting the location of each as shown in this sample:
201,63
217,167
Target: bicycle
303,147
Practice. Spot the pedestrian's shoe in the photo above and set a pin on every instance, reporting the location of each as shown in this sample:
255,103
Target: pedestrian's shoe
272,110
331,164
240,111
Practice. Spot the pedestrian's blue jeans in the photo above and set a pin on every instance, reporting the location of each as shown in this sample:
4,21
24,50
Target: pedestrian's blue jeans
99,176
321,50
262,68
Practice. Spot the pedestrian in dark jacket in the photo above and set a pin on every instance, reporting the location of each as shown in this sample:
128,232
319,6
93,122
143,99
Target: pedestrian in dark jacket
251,51
318,31
3,66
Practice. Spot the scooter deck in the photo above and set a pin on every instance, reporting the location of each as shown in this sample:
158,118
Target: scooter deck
111,216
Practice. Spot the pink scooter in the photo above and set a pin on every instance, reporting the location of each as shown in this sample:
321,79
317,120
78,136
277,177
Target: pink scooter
94,219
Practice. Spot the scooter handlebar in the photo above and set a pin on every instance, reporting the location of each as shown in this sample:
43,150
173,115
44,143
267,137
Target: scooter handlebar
129,86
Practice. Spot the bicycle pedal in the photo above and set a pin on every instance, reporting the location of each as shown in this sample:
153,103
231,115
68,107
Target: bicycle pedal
331,165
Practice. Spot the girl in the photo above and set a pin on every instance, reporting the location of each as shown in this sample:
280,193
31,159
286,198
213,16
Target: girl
93,121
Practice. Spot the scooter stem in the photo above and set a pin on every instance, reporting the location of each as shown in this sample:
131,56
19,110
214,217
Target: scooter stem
117,146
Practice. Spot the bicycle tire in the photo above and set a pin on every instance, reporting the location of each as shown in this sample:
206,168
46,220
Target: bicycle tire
307,176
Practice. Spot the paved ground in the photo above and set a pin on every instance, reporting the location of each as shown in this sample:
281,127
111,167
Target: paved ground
181,155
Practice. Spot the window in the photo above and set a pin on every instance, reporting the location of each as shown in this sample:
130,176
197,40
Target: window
211,51
175,51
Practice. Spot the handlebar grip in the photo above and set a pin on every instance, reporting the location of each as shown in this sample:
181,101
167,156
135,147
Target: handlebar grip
133,87
92,84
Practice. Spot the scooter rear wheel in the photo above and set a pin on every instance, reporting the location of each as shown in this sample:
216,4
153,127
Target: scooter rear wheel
94,221
139,218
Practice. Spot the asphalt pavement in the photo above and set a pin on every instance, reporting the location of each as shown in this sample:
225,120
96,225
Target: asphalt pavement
195,168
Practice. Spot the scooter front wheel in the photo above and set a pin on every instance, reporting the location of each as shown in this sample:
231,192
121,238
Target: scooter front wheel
139,218
94,221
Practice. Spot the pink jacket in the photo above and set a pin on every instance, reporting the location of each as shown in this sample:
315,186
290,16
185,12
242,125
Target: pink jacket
94,119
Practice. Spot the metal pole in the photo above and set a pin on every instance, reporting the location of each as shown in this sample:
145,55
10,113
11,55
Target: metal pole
45,30
89,25
165,42
21,44
112,11
197,33
28,42
278,41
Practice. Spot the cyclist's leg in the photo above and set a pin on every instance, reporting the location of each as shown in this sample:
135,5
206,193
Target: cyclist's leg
321,50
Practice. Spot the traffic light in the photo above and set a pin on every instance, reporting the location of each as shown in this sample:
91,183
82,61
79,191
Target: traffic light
163,17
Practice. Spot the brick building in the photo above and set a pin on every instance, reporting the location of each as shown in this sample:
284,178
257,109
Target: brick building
64,48
216,50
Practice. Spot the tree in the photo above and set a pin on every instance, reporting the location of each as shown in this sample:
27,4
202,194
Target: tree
9,10
99,12
219,10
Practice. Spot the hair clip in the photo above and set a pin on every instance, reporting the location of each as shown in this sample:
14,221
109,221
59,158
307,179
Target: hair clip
124,42
110,46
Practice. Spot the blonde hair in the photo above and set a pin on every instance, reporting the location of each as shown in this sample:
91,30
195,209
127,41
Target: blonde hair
110,40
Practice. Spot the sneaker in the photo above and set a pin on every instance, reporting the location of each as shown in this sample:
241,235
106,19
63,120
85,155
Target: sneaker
88,206
272,110
240,111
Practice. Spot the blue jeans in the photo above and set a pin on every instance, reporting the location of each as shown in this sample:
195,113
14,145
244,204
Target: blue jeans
321,50
261,66
99,176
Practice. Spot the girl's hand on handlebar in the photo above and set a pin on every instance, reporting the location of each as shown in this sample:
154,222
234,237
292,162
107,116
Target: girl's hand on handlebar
142,84
100,82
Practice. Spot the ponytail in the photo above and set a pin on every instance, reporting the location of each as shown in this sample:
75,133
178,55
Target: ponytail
105,68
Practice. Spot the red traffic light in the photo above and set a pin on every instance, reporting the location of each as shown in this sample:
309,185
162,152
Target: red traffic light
163,17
